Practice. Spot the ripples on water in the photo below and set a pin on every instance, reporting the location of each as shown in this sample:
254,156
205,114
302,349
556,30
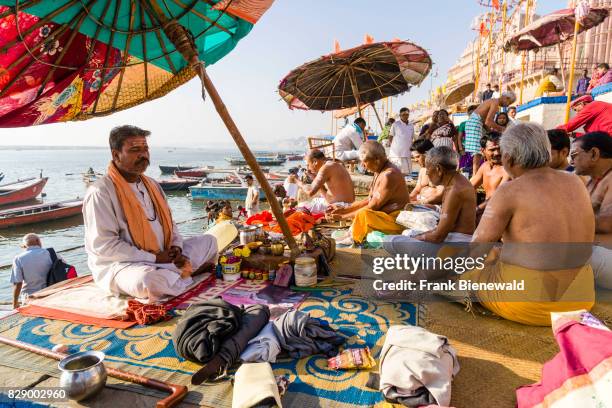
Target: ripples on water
64,168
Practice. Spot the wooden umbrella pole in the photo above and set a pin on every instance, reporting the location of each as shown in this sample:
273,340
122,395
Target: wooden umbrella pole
355,91
249,158
560,49
181,39
570,82
378,117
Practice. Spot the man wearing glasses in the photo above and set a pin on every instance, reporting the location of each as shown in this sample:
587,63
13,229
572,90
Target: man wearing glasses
592,157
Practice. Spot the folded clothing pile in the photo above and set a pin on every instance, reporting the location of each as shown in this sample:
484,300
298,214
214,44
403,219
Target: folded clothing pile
417,367
215,333
296,334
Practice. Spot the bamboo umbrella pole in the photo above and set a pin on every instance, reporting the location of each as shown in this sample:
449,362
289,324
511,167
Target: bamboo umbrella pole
378,117
489,63
355,91
560,49
503,53
477,76
570,83
180,38
524,54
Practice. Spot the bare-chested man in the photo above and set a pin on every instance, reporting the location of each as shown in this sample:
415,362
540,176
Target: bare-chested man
388,196
592,157
424,192
491,173
484,116
332,182
543,217
458,213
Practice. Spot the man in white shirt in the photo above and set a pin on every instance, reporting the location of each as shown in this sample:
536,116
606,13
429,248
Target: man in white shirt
348,141
401,135
496,93
251,203
291,184
133,246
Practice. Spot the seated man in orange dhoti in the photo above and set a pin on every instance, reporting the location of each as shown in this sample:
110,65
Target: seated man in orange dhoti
133,245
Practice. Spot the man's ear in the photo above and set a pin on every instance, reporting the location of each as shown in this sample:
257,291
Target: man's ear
114,154
595,153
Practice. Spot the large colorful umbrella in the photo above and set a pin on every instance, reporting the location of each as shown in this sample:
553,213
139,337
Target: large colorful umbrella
67,60
459,93
552,29
355,77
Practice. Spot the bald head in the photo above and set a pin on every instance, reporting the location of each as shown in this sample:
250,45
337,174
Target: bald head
30,240
315,159
372,150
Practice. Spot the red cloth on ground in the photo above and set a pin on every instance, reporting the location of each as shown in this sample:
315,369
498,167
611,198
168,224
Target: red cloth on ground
146,314
262,218
596,116
298,222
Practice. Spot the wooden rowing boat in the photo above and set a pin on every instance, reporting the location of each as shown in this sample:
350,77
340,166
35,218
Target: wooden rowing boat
35,214
21,190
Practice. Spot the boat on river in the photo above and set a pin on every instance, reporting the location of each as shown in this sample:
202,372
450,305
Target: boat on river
173,169
34,214
22,190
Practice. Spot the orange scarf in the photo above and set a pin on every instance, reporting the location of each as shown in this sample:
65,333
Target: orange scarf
138,224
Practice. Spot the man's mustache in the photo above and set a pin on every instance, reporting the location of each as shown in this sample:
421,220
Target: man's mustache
140,161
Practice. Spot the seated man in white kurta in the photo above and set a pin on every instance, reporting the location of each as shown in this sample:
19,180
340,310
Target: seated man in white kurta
133,246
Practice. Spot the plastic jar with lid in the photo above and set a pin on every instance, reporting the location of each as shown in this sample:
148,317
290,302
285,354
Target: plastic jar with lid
305,271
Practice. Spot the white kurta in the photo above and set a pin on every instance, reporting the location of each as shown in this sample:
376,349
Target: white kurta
403,134
347,143
117,265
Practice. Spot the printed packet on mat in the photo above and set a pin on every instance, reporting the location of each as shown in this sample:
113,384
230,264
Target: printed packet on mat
352,358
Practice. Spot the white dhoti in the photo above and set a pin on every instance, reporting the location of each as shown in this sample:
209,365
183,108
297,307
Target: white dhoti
403,163
601,262
149,282
319,205
347,155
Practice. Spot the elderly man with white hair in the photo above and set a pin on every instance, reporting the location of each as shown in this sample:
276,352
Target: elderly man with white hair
388,196
545,221
484,117
30,268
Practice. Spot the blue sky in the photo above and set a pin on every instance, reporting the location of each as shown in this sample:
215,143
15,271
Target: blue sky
289,34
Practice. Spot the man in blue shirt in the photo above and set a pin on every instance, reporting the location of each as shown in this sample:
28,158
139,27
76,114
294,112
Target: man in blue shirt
583,83
30,268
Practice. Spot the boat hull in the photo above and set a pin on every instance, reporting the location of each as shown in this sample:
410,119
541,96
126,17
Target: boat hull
220,193
25,193
261,161
182,185
172,169
39,213
199,173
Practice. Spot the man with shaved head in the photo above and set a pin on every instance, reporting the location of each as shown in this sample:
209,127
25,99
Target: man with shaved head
332,183
388,196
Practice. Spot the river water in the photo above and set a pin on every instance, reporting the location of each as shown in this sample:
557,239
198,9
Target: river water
64,168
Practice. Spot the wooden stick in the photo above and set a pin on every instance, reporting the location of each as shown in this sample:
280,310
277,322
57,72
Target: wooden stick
177,392
178,35
561,63
570,83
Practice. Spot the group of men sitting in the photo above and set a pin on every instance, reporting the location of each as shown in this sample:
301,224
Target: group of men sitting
134,247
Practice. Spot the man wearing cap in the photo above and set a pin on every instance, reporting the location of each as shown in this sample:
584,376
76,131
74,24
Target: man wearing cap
594,116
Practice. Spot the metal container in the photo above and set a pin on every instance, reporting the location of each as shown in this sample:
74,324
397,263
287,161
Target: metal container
247,235
305,271
83,374
277,249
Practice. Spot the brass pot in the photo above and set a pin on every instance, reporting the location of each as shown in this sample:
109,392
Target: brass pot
277,249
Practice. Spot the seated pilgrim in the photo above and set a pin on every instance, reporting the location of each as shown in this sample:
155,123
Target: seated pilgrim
592,157
332,183
349,139
458,212
423,192
133,246
388,196
540,205
491,173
